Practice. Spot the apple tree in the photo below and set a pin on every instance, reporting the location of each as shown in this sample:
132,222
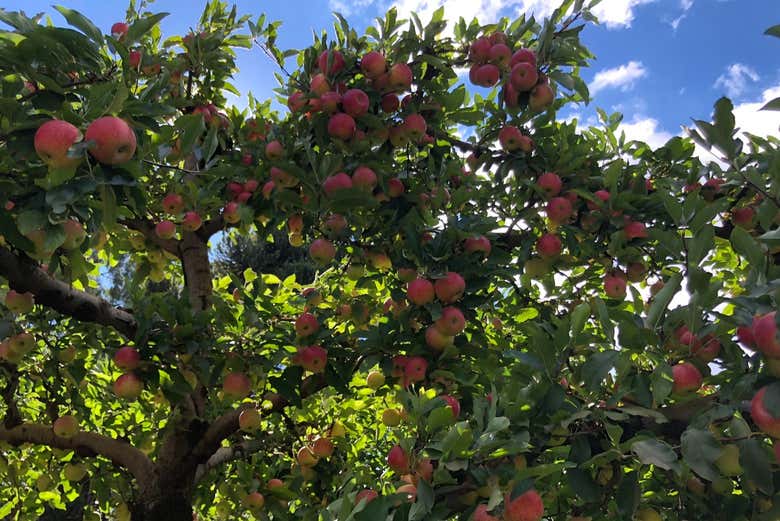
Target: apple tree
512,317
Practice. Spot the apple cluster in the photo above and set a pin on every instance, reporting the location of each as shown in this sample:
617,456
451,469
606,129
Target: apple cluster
128,385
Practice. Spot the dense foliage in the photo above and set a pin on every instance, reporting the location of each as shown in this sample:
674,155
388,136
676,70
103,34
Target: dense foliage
512,317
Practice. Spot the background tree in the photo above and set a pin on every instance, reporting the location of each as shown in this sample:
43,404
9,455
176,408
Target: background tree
490,333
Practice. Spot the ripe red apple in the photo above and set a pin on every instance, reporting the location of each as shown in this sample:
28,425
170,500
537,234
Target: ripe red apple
134,59
764,330
296,101
127,358
452,403
395,187
399,77
249,420
500,54
165,230
510,138
254,500
486,75
415,127
128,386
450,288
549,183
559,210
323,447
373,64
415,369
52,141
330,62
306,324
19,302
687,378
341,126
119,30
438,340
364,178
481,514
173,204
635,230
479,244
312,358
601,195
306,457
420,292
398,460
368,495
390,103
113,140
191,221
480,50
230,214
548,246
319,85
335,224
355,102
236,386
274,150
707,349
762,417
743,217
452,322
21,344
615,283
330,101
74,234
65,426
524,76
322,251
745,336
275,483
523,56
336,182
525,507
541,97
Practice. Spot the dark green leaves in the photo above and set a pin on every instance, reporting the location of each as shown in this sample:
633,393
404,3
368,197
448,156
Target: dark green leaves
656,452
79,21
597,367
700,450
755,459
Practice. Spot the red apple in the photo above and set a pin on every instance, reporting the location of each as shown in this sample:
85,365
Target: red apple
500,54
480,50
296,101
523,56
452,322
368,495
548,246
686,378
542,96
635,230
341,126
390,103
165,230
65,426
373,64
319,85
306,457
128,386
52,141
452,403
707,349
479,244
322,251
395,187
19,302
173,204
191,221
355,102
236,386
615,283
306,324
743,217
335,224
364,178
550,183
113,141
420,292
525,507
524,76
481,514
312,358
330,62
230,214
450,287
438,340
274,150
399,77
119,30
415,369
254,500
511,138
764,332
323,447
249,420
398,460
127,358
559,210
601,195
762,417
134,59
336,183
415,127
485,75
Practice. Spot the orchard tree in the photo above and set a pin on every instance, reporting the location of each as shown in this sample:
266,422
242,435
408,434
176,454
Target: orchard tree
513,318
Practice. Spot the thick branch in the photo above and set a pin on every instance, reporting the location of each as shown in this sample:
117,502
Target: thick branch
226,454
24,276
119,452
146,228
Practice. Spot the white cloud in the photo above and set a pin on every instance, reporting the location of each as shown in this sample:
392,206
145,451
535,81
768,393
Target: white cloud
646,129
618,14
622,77
348,7
749,117
735,79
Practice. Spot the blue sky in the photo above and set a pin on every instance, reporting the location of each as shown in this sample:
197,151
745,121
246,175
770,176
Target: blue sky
660,62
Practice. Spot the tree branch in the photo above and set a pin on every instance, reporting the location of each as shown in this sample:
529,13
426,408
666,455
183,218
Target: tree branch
119,452
226,454
25,276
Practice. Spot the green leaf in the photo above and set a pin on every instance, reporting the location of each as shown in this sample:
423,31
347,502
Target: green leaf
628,495
142,26
424,502
748,247
755,459
656,452
773,31
662,299
578,318
597,367
79,21
699,451
583,485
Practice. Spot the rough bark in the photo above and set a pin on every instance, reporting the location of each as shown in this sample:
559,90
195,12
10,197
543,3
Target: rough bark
194,254
24,275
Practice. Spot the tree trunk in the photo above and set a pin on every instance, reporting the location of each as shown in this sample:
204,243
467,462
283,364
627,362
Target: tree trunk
168,505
